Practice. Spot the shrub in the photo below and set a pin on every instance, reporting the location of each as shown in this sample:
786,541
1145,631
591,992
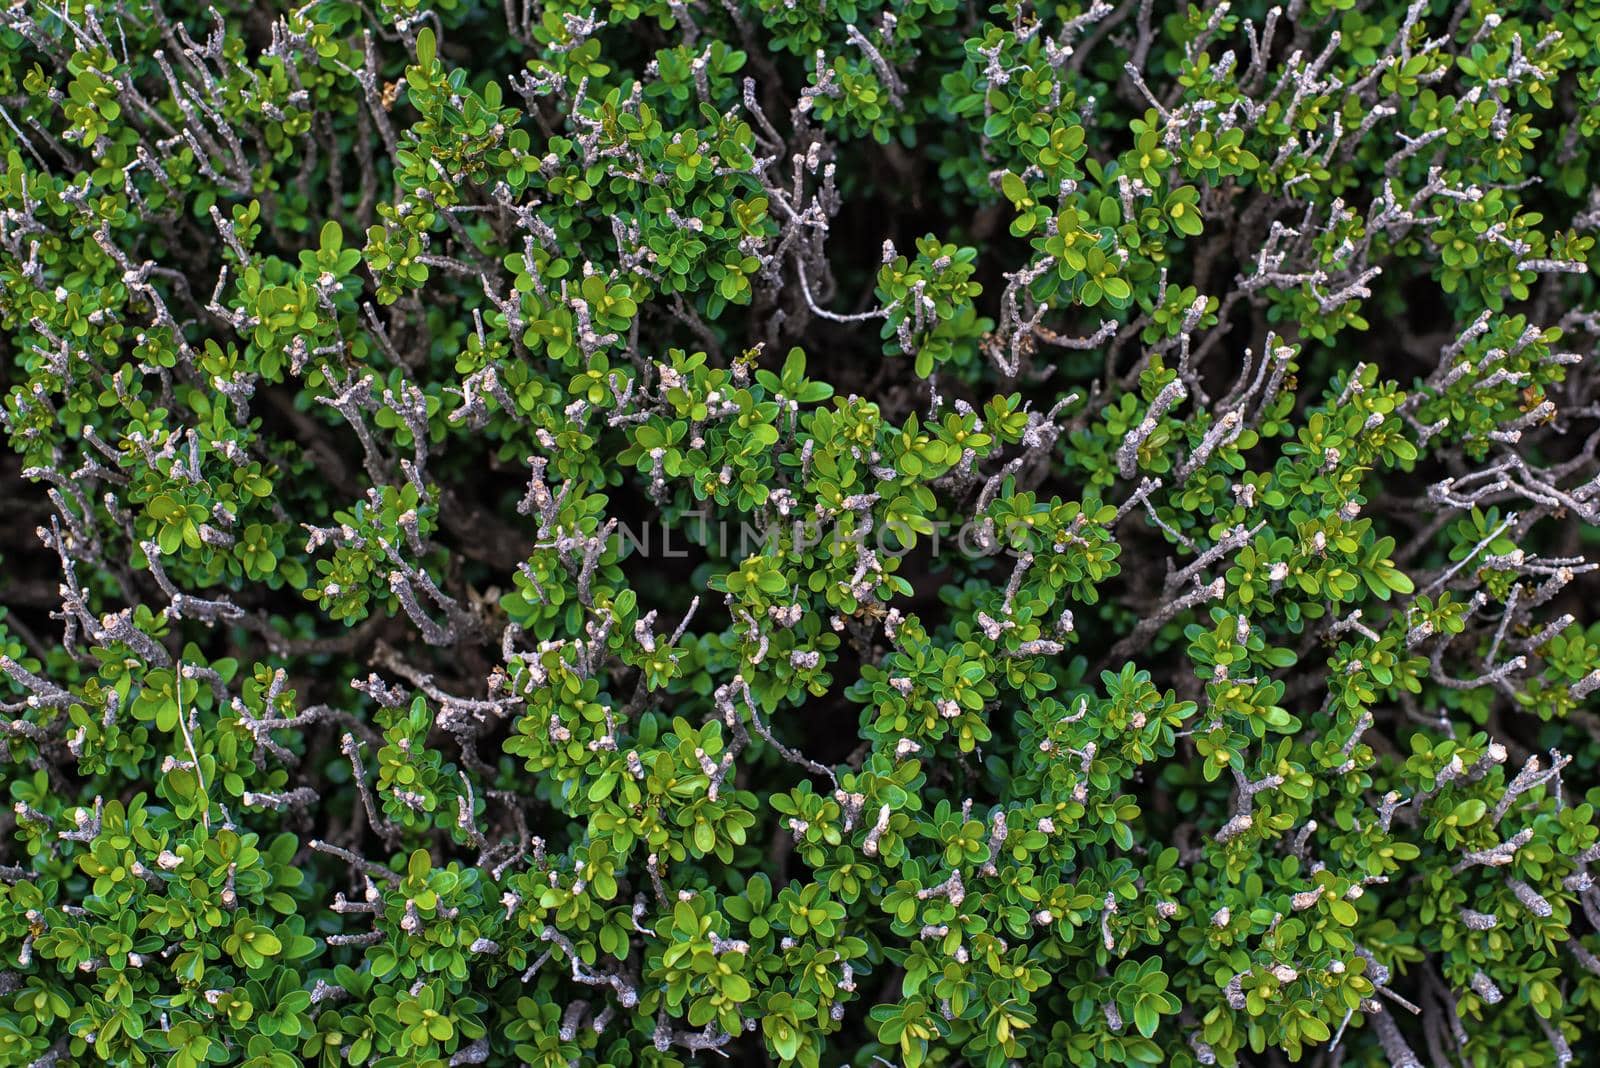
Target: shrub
911,533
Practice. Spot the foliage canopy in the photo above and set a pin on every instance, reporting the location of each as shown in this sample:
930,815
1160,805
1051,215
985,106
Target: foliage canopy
899,532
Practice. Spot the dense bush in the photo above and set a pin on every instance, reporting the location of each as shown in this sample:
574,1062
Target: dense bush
803,531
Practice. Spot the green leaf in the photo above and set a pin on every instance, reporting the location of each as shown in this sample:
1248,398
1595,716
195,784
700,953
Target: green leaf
419,865
332,237
1014,188
1469,812
1343,911
601,788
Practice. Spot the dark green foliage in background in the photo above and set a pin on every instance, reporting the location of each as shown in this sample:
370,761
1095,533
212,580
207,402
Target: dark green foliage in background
799,532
